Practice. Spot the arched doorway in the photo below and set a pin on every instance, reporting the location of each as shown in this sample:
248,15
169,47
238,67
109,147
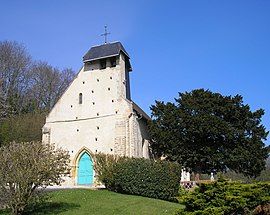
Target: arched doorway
85,170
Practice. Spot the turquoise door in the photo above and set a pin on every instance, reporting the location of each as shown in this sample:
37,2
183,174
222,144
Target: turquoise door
85,171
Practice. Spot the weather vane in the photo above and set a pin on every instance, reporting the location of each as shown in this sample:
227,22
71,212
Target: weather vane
105,34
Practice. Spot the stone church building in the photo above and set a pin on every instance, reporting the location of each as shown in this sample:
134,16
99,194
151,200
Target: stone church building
96,114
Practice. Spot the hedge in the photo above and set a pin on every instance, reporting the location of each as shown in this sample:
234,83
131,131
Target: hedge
138,176
224,198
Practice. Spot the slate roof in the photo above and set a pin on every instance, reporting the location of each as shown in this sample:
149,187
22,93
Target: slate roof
140,111
105,50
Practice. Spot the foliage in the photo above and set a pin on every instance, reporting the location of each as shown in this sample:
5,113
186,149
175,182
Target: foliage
26,167
206,131
22,128
223,197
104,166
143,177
28,90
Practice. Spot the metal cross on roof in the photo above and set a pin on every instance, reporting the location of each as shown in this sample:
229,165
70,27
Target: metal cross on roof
105,34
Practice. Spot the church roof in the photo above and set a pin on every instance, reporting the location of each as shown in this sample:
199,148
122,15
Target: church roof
104,51
140,111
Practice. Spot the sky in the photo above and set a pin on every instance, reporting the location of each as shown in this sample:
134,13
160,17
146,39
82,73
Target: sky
175,46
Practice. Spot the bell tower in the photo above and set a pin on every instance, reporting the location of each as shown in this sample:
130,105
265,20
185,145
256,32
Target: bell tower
111,57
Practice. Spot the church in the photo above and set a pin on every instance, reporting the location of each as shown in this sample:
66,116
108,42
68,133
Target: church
97,115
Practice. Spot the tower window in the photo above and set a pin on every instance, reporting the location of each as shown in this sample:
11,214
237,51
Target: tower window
109,88
80,98
83,82
113,61
92,91
97,114
111,77
103,64
97,80
97,127
112,100
93,103
96,138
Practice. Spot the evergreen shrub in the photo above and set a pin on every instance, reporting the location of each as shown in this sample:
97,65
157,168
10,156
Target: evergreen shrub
224,198
138,176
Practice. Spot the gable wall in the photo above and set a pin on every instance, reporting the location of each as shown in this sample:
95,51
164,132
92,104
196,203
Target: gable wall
74,126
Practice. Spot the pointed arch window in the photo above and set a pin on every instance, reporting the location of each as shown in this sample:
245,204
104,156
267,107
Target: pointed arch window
80,98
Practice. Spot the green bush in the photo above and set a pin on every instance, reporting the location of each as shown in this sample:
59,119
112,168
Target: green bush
223,197
103,166
142,177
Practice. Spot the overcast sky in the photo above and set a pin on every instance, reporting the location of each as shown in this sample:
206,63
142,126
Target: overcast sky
175,46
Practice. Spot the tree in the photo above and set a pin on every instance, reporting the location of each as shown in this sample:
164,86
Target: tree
14,73
48,84
26,85
3,104
26,167
22,128
206,131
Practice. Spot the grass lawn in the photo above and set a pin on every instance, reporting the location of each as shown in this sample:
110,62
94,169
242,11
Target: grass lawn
83,201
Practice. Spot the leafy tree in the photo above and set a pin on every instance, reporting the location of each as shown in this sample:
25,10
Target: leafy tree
206,131
22,128
26,167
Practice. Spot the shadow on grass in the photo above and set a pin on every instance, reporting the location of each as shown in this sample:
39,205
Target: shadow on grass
52,208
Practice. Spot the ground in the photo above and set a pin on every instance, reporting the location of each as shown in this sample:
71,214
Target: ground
99,202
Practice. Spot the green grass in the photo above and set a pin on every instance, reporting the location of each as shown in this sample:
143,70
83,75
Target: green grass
83,201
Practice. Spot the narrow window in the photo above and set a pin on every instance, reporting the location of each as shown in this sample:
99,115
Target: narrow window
96,139
93,103
80,98
113,61
97,114
112,100
111,77
92,91
97,127
103,64
111,150
97,80
83,82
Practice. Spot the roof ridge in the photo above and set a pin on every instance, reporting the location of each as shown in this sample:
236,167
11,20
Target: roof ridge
106,44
